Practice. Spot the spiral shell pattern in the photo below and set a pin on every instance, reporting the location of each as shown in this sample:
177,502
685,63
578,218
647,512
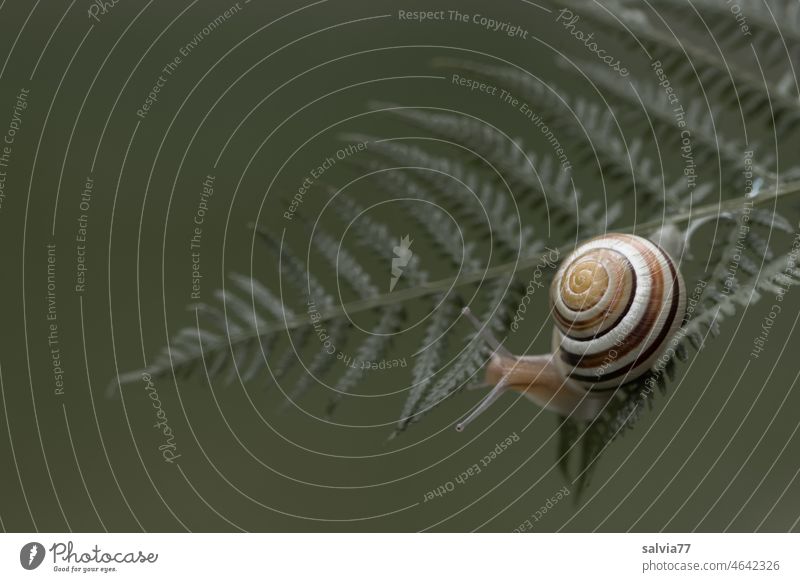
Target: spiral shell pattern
617,300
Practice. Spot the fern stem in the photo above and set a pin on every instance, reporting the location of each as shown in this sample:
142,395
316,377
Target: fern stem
508,269
711,141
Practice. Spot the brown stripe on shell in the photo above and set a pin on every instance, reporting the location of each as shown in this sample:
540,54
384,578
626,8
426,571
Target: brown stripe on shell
601,332
655,346
641,331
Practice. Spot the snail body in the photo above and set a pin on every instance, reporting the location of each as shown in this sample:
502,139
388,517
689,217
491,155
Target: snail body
617,300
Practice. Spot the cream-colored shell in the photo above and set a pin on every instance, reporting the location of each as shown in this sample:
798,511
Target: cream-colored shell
617,301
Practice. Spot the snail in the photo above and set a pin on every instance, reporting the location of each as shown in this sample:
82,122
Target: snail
617,300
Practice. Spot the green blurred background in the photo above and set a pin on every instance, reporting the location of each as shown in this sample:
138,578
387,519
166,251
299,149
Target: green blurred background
719,451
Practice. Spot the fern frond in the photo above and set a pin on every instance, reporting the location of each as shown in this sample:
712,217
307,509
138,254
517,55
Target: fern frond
773,27
287,360
497,188
344,264
263,297
450,179
429,357
630,166
239,309
371,350
774,277
708,141
684,61
771,219
449,239
226,349
596,139
322,362
536,180
471,358
295,270
377,238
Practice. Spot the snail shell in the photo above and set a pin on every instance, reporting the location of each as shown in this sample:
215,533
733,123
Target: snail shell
617,300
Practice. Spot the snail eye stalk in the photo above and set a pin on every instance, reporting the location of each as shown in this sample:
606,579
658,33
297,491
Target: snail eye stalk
493,395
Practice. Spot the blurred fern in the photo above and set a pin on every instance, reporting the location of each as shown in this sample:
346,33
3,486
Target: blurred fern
464,181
